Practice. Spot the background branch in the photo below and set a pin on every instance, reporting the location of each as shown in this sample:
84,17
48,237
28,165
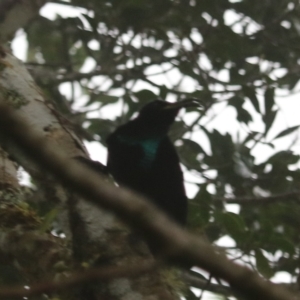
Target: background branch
289,196
103,274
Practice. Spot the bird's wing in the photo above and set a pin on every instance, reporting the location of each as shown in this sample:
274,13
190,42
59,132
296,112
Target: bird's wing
122,159
168,161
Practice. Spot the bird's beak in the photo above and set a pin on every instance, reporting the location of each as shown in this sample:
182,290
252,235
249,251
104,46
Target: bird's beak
190,102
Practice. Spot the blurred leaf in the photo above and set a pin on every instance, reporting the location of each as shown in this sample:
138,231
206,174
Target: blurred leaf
177,130
269,101
251,95
222,148
78,57
188,152
286,132
242,114
234,225
43,39
236,101
251,136
92,22
189,295
199,208
284,158
101,127
284,245
193,146
269,119
240,167
262,264
48,220
163,92
107,99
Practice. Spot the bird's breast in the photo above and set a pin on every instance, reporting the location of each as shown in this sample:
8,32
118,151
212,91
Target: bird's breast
149,147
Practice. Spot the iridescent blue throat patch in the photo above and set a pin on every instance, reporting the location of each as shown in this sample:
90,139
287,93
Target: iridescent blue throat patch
150,147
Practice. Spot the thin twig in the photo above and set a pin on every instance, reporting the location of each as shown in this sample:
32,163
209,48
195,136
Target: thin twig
100,274
288,196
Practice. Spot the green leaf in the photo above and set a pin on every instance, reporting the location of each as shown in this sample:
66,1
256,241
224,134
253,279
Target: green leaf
269,120
163,92
43,39
193,147
188,152
235,225
262,264
283,158
48,220
177,130
251,136
236,101
199,208
107,99
78,57
243,116
101,127
251,95
189,295
269,101
286,132
284,244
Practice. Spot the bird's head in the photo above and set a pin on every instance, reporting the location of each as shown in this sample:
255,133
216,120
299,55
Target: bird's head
162,114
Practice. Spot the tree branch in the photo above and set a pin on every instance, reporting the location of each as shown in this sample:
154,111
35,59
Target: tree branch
288,196
103,274
200,283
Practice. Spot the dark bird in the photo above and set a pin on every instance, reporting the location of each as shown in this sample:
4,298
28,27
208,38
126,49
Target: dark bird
142,157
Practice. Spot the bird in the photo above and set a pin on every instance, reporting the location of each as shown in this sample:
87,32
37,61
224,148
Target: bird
142,157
